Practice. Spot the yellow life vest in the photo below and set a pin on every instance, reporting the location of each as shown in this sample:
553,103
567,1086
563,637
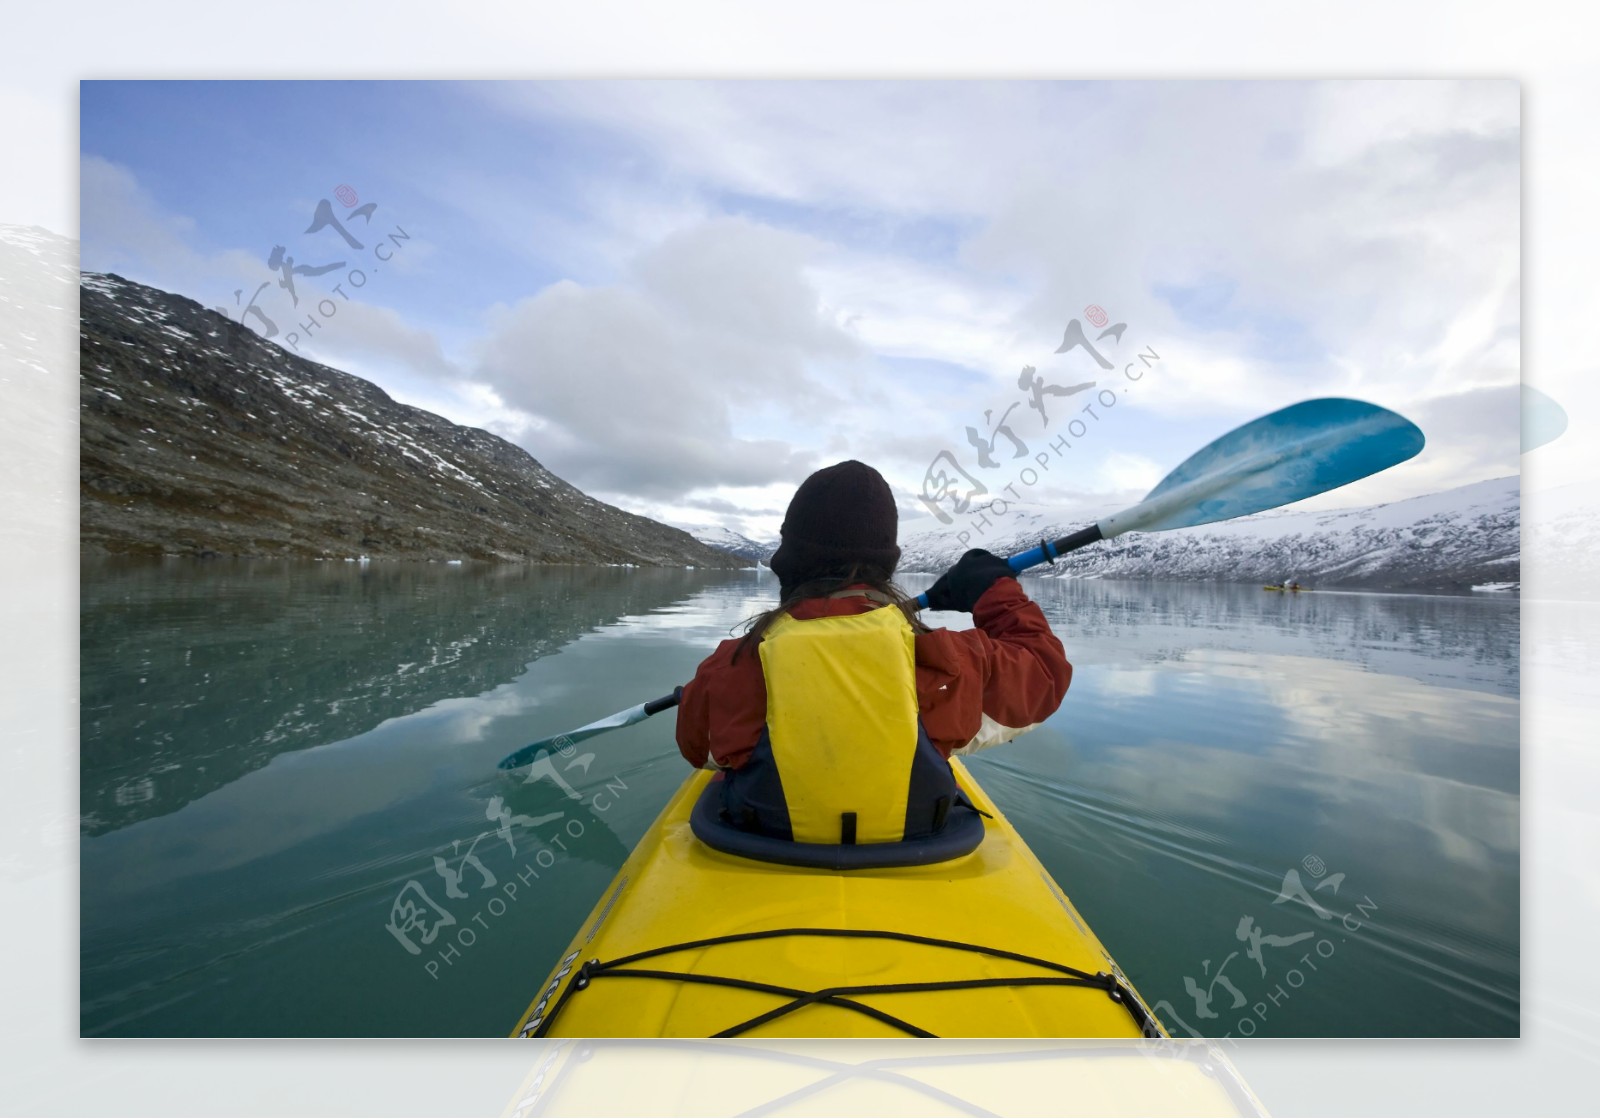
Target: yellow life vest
843,758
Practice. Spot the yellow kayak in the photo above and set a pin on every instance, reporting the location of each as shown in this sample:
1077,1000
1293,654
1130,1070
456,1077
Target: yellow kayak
692,941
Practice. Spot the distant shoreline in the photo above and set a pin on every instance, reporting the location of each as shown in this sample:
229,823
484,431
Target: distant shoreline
96,556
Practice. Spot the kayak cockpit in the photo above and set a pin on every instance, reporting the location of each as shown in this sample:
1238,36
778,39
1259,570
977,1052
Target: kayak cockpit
961,835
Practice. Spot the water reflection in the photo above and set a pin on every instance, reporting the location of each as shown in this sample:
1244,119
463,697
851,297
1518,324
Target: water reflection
1462,642
334,732
196,674
1210,743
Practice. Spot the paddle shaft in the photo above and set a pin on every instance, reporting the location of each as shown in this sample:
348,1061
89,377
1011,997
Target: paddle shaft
1048,550
656,706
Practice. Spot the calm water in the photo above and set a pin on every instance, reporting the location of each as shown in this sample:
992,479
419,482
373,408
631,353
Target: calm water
272,753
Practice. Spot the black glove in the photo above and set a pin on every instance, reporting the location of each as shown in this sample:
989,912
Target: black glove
962,586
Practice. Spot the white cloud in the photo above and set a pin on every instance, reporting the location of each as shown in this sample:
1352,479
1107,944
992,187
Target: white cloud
925,147
640,381
1349,119
1121,472
375,337
125,230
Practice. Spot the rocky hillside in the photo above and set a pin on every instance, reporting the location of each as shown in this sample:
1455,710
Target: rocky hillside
199,437
1450,541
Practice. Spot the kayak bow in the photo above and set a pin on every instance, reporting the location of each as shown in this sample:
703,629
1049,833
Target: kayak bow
688,941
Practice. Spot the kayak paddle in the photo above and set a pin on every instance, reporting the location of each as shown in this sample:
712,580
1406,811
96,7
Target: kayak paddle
1286,456
636,714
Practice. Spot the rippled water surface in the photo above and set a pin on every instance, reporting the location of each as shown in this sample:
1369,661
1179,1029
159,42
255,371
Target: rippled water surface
1284,815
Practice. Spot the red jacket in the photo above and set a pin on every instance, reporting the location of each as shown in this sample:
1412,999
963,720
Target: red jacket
975,688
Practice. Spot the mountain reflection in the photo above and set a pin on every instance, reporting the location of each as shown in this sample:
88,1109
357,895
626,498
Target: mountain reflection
194,674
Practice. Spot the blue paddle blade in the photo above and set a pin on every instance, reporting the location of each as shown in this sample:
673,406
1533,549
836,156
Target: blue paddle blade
1284,457
1543,420
531,752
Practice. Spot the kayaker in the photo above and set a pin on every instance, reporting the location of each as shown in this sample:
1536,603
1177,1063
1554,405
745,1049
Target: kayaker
833,717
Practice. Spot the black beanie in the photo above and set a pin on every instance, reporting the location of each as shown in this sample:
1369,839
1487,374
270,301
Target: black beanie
842,516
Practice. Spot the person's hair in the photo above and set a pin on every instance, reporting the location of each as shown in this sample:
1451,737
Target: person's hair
868,575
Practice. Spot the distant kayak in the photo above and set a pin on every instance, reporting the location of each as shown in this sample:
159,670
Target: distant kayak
693,941
1279,588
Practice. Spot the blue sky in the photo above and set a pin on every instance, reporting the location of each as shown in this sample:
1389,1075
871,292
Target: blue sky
684,296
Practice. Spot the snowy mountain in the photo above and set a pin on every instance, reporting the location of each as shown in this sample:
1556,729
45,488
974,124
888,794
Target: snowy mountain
1453,540
734,543
200,437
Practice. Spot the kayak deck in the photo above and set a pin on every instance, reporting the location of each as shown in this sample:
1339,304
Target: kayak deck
691,942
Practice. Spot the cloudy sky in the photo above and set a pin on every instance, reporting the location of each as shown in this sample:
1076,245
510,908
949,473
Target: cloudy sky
684,296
